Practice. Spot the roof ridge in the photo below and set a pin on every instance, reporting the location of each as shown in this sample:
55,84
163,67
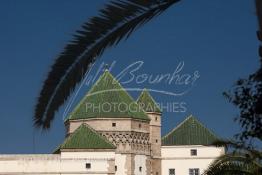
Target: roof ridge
107,89
175,128
145,93
57,149
86,134
106,72
99,79
145,89
83,99
210,130
190,132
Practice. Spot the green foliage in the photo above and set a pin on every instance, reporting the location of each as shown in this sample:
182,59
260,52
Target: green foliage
244,158
247,95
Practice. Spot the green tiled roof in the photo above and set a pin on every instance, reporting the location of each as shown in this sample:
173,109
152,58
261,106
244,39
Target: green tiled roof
107,99
146,101
189,132
84,137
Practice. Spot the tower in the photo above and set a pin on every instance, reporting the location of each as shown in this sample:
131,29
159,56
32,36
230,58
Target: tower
113,113
146,101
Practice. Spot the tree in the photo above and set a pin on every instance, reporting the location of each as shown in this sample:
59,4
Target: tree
244,158
117,21
247,96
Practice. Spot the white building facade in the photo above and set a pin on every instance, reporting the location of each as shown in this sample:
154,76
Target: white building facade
108,135
179,159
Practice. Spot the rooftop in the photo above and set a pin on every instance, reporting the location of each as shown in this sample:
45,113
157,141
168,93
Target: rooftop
189,132
85,137
107,99
146,101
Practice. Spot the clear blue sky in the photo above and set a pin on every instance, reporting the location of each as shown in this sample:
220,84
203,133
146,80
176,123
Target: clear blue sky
216,37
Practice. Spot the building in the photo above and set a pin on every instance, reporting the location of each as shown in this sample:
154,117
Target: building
109,133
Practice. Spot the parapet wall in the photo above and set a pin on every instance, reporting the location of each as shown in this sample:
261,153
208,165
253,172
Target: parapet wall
54,164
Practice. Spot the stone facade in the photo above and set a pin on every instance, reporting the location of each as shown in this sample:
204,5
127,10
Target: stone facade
155,141
131,138
105,124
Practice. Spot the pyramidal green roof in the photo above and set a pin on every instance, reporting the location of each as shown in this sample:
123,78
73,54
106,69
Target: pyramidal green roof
84,137
146,101
107,99
189,132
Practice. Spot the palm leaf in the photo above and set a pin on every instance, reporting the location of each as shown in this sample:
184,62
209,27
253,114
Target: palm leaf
234,164
229,168
116,21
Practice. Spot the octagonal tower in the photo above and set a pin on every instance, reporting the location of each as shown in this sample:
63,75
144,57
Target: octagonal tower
112,112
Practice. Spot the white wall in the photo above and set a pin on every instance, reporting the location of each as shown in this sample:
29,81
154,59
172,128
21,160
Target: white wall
120,162
173,157
180,159
84,155
68,163
140,161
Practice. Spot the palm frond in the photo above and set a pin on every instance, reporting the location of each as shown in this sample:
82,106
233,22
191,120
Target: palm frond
236,163
259,13
229,168
116,21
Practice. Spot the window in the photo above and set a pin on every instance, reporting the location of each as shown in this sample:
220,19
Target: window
194,171
193,152
88,165
113,124
139,125
155,118
172,171
140,169
115,168
156,173
156,140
